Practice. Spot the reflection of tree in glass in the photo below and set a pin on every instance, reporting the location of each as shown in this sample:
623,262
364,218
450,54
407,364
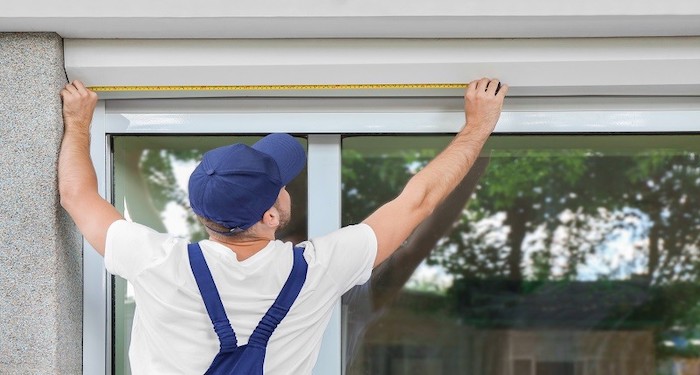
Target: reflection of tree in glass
369,182
666,187
530,188
549,223
156,167
583,201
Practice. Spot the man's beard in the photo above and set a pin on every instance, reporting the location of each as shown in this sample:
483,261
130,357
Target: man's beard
285,217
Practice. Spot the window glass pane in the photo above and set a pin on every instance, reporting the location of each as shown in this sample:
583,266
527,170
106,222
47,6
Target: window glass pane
568,254
150,187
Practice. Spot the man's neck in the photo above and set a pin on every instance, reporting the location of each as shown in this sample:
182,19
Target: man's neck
244,249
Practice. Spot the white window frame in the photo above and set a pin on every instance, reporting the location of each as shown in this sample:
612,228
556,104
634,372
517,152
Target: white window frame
325,120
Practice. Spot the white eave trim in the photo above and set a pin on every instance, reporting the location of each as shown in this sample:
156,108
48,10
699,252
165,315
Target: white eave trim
363,26
577,66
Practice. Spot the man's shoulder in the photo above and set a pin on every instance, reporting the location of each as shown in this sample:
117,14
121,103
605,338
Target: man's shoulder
129,228
348,233
132,247
346,254
353,238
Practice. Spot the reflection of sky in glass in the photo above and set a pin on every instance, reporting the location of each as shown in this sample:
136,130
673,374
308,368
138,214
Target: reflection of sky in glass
175,220
430,278
621,254
175,216
624,253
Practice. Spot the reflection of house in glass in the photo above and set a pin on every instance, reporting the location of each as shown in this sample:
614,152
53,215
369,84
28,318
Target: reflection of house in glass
533,328
563,327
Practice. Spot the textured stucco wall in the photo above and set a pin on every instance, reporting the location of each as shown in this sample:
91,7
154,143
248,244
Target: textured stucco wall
40,255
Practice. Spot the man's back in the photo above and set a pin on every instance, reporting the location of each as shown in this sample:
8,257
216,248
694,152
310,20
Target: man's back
172,332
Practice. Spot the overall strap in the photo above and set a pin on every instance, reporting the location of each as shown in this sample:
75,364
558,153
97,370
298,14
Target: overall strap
278,310
212,300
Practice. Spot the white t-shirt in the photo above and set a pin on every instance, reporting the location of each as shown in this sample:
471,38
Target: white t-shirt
172,333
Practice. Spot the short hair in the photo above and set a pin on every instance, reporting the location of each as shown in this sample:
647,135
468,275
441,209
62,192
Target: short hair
217,230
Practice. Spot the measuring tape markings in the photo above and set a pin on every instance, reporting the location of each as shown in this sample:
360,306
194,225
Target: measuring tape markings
381,86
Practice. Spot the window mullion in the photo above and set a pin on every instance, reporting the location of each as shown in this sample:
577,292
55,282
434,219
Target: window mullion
324,217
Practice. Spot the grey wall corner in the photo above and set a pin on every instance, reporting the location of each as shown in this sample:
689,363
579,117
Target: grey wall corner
41,252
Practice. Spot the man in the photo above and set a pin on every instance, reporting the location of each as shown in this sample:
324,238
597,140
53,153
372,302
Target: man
239,194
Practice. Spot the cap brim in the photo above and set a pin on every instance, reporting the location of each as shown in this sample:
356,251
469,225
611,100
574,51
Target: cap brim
287,152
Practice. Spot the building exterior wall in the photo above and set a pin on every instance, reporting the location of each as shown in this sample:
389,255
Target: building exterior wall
41,259
41,280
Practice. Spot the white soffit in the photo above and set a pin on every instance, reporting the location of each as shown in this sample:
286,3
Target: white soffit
616,66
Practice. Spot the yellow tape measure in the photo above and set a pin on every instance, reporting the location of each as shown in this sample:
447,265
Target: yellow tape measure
377,86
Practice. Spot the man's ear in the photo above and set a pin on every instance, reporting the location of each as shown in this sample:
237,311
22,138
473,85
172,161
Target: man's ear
271,217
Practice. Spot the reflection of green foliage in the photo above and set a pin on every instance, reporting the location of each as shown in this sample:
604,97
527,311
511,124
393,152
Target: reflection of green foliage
542,265
527,186
649,165
663,188
530,175
371,182
588,197
667,188
533,188
680,309
602,305
156,167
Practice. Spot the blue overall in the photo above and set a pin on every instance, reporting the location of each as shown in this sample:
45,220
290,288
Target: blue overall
245,359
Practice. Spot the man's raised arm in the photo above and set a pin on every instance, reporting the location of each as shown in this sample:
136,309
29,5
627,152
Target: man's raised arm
395,221
77,182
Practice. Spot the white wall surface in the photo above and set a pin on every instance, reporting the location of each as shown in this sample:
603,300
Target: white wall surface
356,18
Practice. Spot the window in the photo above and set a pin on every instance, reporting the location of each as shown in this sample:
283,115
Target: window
569,251
555,225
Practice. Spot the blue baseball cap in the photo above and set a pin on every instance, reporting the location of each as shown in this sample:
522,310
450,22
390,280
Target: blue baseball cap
234,185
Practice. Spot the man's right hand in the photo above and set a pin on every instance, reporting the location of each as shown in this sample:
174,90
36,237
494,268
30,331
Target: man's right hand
78,106
482,105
